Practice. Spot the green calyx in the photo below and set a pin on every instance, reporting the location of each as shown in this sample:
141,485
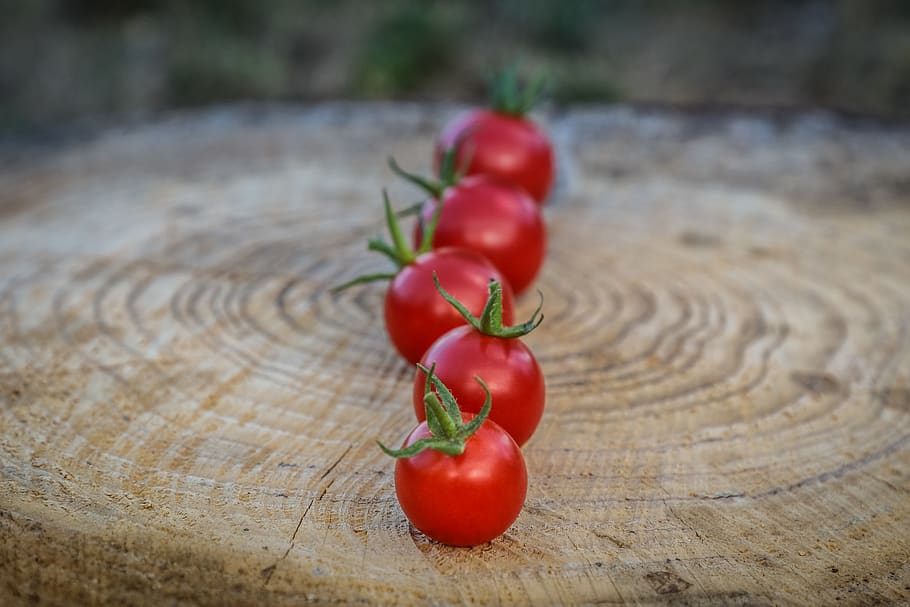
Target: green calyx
433,188
490,321
450,172
399,251
509,96
449,176
448,431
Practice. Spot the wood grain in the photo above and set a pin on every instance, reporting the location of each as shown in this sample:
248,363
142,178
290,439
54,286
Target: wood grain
188,416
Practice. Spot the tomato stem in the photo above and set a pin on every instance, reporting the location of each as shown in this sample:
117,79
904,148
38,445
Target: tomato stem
491,315
444,424
414,209
399,252
433,188
509,96
450,170
448,432
363,280
450,173
490,321
402,250
380,246
428,231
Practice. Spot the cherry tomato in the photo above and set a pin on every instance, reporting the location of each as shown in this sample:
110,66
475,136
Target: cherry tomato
416,315
506,364
487,347
507,146
499,221
467,499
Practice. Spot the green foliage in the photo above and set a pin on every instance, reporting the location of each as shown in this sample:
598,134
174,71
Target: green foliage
577,86
107,10
209,65
407,46
92,58
511,95
568,25
855,74
241,17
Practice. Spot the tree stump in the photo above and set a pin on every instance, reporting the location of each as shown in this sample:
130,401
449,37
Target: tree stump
189,416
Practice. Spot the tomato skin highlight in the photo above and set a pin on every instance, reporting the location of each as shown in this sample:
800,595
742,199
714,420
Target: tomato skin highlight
468,499
509,147
498,220
416,315
507,366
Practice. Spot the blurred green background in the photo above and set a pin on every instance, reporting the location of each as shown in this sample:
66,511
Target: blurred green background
71,61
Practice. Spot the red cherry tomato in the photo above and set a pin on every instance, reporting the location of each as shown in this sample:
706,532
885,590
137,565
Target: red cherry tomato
415,313
506,364
506,146
499,221
467,499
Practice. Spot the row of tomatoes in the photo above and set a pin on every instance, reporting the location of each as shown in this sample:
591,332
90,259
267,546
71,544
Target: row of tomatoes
479,392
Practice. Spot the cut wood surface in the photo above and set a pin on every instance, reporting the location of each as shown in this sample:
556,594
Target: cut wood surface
188,416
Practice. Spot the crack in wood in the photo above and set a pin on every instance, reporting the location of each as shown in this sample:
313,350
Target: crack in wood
666,582
336,462
616,542
269,571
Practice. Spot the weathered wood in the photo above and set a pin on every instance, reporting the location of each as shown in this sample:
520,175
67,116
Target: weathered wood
187,416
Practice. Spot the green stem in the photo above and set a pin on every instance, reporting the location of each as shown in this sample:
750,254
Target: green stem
435,409
399,252
509,96
491,315
428,231
472,426
460,307
413,209
448,432
490,321
404,251
444,393
449,176
450,170
363,280
432,188
381,246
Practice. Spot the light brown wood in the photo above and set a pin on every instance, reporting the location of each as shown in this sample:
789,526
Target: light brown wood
187,416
